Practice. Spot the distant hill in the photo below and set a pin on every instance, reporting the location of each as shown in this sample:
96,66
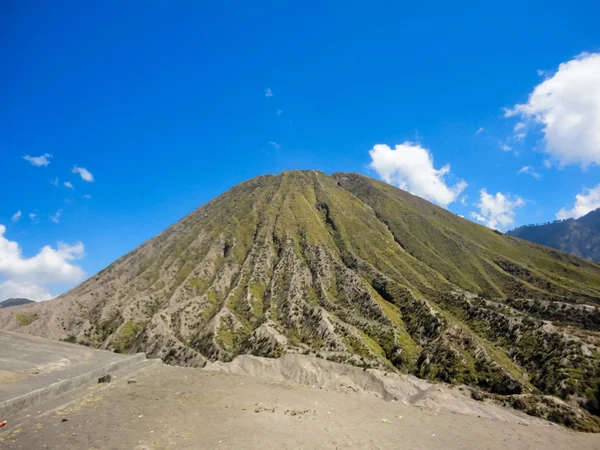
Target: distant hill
14,302
349,269
579,237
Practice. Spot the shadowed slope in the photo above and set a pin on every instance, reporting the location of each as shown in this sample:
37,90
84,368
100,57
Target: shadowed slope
14,302
580,237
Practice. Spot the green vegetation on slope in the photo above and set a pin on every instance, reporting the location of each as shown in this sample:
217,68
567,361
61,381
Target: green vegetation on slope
24,319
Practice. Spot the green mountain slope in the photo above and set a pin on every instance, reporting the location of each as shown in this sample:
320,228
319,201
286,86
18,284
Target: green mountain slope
580,237
353,270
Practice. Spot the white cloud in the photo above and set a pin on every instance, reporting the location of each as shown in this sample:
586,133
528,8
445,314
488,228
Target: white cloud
27,277
55,182
519,131
530,171
268,92
85,174
496,211
410,167
479,130
38,161
505,147
567,106
478,217
587,201
16,216
519,126
56,217
31,291
68,184
32,216
86,196
275,145
463,200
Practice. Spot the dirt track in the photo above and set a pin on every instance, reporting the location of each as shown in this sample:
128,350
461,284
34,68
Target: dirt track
170,407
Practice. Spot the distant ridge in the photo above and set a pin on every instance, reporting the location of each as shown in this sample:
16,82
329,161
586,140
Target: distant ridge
579,237
14,302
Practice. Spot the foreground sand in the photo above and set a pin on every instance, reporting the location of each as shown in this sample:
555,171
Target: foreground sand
171,407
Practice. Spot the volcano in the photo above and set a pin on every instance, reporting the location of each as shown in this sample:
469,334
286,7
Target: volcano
349,269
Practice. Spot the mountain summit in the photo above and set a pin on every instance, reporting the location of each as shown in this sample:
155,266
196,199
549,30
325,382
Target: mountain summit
349,269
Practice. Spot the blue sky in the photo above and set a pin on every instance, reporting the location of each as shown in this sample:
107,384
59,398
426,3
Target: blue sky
167,105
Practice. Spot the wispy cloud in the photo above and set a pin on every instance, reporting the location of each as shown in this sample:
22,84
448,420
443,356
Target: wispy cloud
529,170
279,112
275,145
68,184
86,175
86,196
55,182
519,131
38,161
506,148
479,130
518,126
268,92
56,217
16,216
32,216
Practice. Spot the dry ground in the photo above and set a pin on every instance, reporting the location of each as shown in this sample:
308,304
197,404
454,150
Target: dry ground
182,408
